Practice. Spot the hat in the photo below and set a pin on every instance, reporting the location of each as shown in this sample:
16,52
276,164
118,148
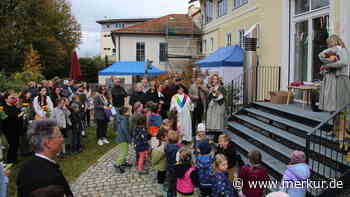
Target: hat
297,157
201,127
277,194
204,147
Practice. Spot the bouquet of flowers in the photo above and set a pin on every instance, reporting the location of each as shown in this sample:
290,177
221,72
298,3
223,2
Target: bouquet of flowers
26,109
46,110
3,115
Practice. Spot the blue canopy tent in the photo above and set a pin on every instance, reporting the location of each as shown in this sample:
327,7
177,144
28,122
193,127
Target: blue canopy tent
224,57
227,62
129,68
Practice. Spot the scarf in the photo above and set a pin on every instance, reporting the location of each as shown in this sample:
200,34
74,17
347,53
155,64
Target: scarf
181,103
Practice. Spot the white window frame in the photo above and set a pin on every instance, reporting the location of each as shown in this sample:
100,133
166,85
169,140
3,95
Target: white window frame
221,8
161,52
144,50
211,44
209,11
239,3
204,46
309,17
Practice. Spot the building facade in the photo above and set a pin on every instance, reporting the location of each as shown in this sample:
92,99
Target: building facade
107,26
170,42
291,33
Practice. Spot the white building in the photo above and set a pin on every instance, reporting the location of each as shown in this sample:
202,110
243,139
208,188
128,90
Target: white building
107,26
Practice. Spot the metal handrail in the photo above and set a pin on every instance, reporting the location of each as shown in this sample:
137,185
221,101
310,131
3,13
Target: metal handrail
330,118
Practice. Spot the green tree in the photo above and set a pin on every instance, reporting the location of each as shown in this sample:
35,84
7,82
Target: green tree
89,68
47,25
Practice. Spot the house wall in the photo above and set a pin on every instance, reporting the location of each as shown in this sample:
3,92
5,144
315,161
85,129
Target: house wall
177,45
274,32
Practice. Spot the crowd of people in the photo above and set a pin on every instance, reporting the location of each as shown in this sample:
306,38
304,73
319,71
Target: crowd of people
166,123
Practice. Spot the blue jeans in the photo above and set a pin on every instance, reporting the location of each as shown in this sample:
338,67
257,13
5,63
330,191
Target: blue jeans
3,182
115,121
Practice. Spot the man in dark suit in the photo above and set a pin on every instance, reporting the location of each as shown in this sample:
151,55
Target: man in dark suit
42,171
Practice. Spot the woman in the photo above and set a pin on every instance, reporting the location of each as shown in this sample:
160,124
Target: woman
181,103
102,106
56,95
216,105
43,105
12,125
25,100
335,87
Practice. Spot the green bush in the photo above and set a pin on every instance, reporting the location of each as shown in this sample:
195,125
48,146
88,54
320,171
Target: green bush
24,78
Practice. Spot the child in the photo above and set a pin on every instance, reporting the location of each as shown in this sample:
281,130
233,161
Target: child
222,186
166,124
137,111
4,174
227,148
170,152
186,174
254,172
204,162
200,136
60,114
141,144
154,123
76,124
123,140
159,160
297,170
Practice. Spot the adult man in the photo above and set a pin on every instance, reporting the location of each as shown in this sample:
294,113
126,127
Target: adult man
198,93
118,98
42,171
138,95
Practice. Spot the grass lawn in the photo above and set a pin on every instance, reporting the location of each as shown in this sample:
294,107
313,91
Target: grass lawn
73,165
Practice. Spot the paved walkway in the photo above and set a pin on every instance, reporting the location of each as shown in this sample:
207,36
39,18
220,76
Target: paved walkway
101,180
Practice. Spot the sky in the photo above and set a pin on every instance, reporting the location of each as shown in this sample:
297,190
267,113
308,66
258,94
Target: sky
87,12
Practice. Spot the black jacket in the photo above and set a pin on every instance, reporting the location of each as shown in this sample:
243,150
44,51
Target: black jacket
230,153
38,173
118,96
138,96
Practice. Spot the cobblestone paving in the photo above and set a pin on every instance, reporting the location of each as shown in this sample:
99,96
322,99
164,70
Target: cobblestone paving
101,180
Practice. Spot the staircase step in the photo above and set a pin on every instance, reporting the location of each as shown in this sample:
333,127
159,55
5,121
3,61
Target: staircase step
279,148
314,116
274,130
287,122
339,157
267,159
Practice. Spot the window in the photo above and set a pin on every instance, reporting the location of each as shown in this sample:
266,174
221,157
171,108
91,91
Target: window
107,49
209,8
239,3
107,26
163,52
140,51
222,7
211,44
114,50
228,39
241,37
303,6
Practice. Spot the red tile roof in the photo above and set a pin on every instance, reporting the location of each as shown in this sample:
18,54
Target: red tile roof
174,24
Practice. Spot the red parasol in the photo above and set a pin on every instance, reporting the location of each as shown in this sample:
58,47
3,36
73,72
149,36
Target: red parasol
74,67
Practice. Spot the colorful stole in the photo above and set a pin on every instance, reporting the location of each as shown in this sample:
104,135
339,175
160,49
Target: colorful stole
180,103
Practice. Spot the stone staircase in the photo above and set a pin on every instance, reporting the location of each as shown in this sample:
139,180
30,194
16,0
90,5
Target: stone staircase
277,130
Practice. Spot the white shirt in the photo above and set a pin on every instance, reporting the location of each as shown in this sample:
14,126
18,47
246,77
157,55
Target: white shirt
44,157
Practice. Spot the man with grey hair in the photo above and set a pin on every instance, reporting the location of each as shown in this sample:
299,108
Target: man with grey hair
42,171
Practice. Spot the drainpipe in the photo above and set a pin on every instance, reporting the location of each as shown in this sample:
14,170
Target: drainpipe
289,38
250,65
119,48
